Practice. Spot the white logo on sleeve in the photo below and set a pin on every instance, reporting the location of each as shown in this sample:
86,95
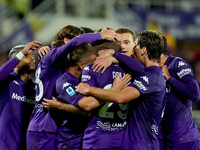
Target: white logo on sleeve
86,68
181,63
70,91
16,82
65,85
140,85
184,72
145,79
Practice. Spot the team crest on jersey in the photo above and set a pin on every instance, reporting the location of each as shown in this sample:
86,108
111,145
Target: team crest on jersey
70,91
66,84
181,63
86,68
145,79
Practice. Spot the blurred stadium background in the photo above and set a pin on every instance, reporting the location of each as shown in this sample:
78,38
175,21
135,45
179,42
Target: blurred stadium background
22,21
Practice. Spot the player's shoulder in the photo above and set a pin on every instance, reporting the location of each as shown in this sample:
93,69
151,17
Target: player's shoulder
179,63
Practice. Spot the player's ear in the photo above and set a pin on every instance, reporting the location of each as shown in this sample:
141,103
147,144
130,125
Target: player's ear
81,65
66,40
143,51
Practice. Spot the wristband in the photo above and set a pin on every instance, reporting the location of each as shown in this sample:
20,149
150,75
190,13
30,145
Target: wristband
20,56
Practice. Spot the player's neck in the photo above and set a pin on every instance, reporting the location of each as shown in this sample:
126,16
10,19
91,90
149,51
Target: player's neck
75,71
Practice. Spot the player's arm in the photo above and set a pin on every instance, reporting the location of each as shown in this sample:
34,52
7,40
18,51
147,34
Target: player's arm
59,53
109,95
182,87
131,63
117,93
55,104
8,67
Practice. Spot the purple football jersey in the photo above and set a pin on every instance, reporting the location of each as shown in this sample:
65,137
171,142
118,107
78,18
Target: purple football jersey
107,126
70,126
177,123
47,73
17,100
143,127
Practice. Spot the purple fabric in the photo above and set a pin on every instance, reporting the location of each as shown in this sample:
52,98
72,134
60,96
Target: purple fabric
16,105
107,126
182,88
70,126
134,65
143,127
47,142
47,73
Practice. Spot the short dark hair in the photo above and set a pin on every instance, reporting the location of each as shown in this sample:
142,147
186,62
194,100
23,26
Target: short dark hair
106,44
81,53
153,42
87,30
165,51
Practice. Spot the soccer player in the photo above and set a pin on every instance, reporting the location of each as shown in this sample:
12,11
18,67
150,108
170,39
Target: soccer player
42,129
107,126
146,95
71,126
178,127
17,96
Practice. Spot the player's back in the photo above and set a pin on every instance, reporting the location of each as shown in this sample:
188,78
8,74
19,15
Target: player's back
106,128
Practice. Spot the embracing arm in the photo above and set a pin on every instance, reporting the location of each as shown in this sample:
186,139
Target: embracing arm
109,95
130,62
190,89
55,104
8,67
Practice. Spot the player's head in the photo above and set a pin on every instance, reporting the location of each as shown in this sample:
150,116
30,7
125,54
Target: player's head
87,30
82,56
149,43
106,44
65,34
126,37
27,64
13,52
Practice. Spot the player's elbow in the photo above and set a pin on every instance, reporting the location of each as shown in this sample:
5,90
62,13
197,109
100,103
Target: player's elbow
120,99
87,107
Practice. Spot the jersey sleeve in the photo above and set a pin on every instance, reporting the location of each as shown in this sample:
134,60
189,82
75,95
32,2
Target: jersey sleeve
183,80
57,54
144,84
66,91
131,63
7,68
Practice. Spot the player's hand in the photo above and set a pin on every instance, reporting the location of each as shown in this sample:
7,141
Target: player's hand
108,34
100,63
30,47
43,50
82,88
51,104
121,82
166,72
